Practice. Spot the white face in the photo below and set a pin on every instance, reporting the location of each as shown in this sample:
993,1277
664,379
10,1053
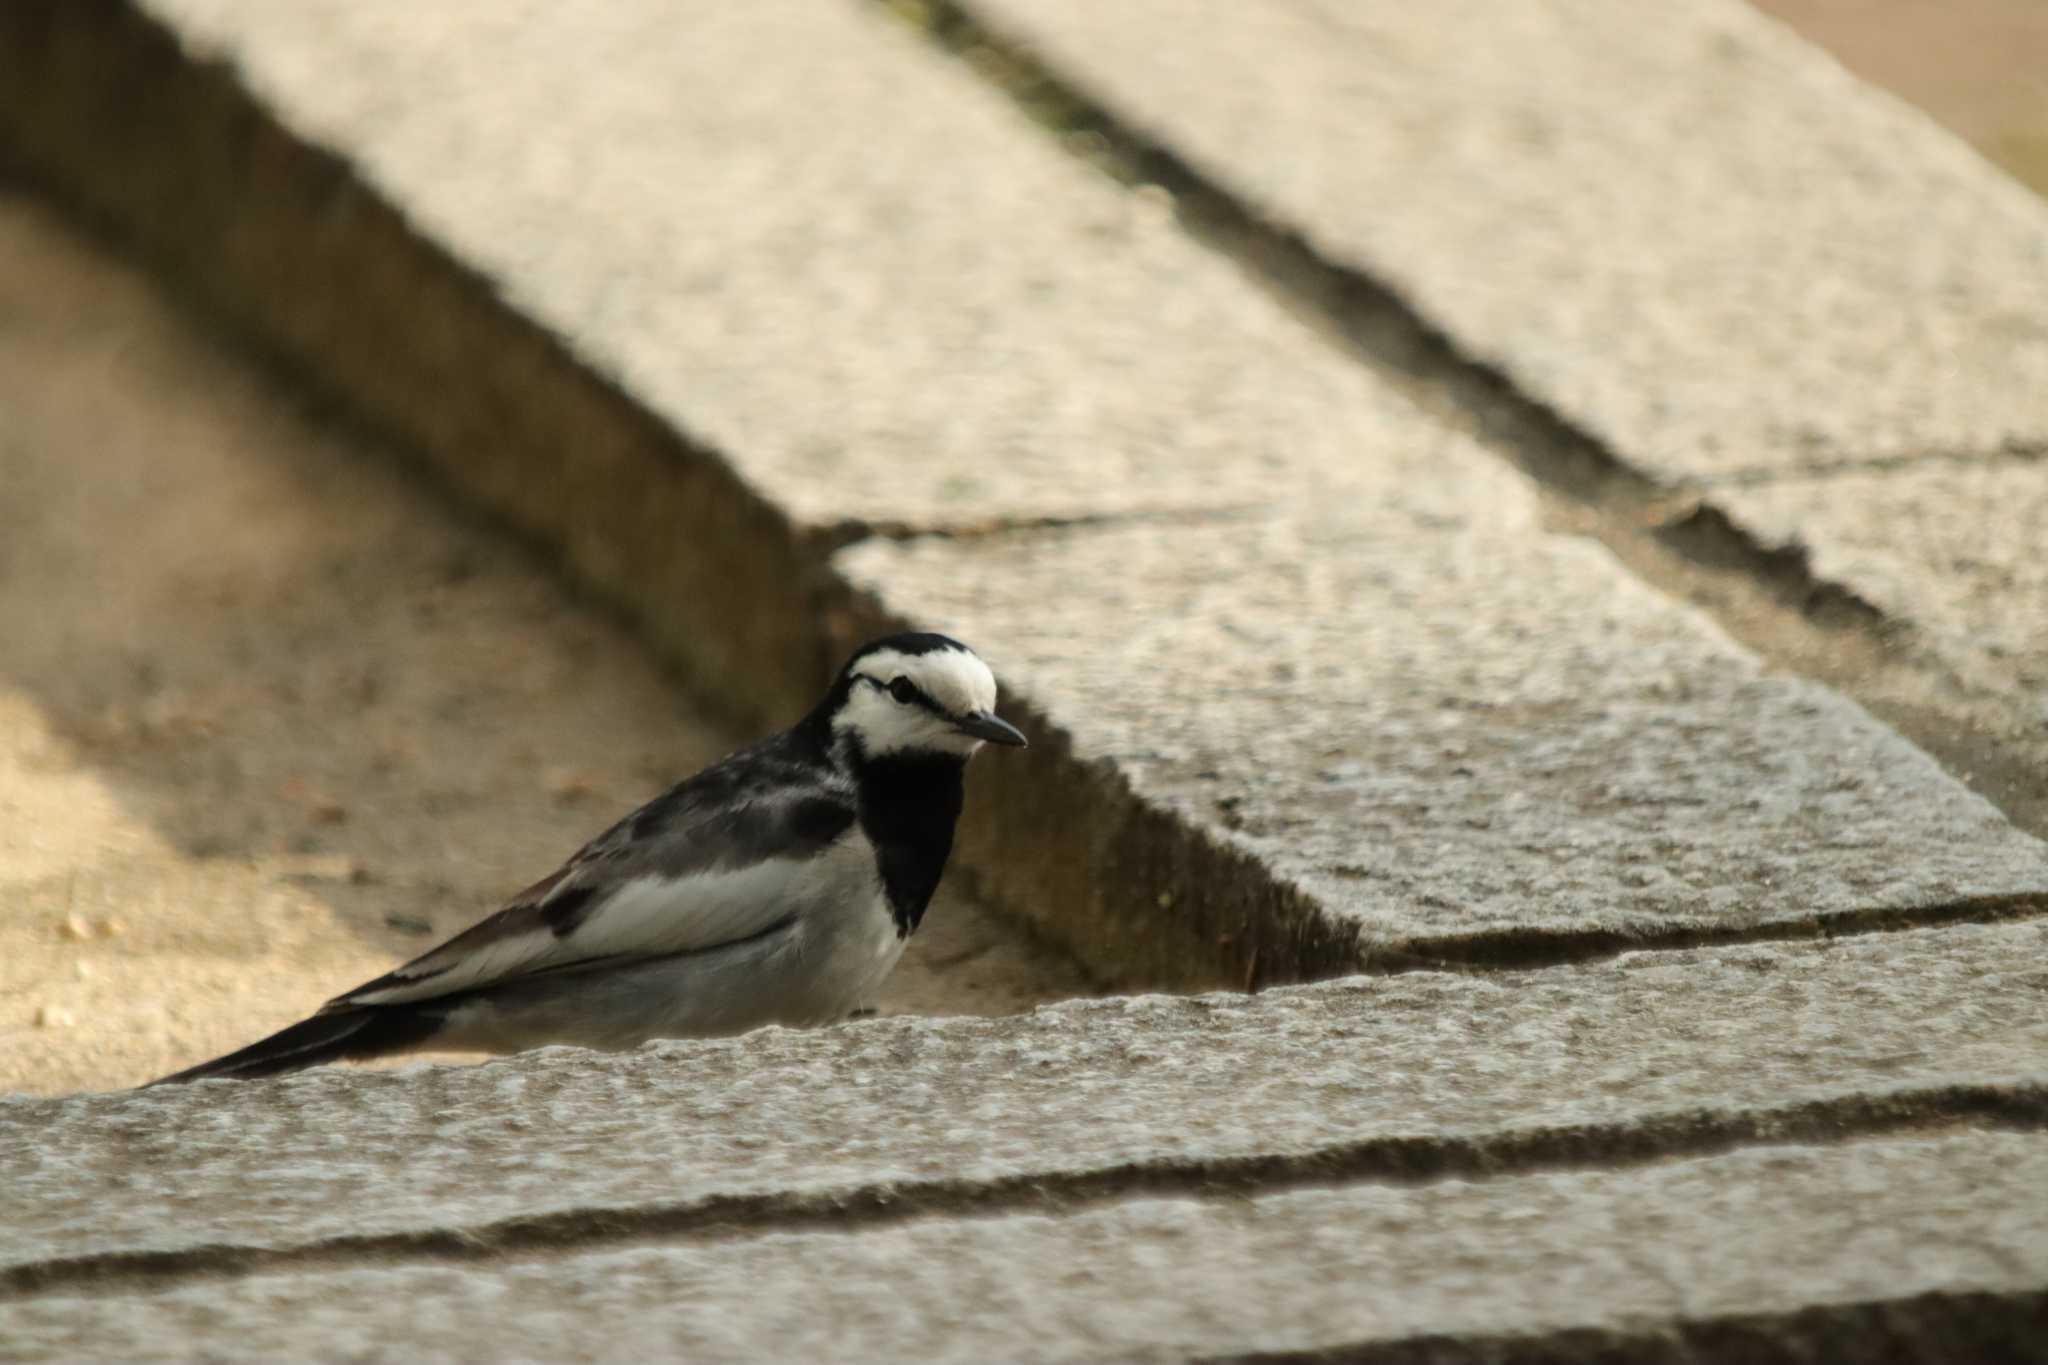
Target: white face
950,683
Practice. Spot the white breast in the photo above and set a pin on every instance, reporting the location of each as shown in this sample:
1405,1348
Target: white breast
846,952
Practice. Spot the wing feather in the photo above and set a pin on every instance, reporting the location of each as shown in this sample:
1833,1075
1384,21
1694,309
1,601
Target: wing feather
696,868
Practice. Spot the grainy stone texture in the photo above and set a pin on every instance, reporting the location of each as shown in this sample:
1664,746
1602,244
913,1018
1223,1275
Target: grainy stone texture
1085,1086
1444,724
1694,238
1771,1229
856,273
1953,547
1691,234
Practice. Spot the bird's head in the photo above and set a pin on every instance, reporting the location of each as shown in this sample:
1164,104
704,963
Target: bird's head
911,695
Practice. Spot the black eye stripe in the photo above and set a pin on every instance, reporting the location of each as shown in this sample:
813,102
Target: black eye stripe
907,693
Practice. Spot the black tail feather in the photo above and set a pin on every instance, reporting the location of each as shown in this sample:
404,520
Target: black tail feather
345,1035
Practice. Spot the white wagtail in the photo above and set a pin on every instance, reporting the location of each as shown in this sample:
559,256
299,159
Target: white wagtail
777,886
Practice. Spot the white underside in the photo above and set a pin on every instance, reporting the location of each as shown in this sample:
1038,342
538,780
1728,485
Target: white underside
827,962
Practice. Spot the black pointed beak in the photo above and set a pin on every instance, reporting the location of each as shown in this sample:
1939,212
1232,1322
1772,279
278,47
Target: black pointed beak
989,726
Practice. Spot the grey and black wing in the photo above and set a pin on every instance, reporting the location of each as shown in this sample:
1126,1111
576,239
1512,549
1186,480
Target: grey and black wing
707,863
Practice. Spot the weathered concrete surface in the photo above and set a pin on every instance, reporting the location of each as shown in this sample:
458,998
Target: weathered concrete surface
1694,236
1694,240
1444,725
1374,1076
856,274
1953,547
1755,1232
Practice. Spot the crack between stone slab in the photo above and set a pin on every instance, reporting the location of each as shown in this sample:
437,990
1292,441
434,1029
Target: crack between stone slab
1367,318
1516,950
2011,452
829,539
1766,596
1391,1160
1952,1326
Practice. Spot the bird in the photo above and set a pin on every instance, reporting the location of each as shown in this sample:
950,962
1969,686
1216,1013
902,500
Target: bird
777,886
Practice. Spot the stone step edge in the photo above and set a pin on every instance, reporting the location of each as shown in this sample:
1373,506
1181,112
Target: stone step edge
2012,1105
1954,1327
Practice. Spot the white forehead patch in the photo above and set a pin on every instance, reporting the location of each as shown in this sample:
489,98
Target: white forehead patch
955,679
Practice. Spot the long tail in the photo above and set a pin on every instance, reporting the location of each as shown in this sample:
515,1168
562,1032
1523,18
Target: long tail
344,1035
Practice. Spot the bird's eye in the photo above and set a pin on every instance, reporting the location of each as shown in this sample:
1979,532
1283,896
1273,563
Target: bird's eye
903,690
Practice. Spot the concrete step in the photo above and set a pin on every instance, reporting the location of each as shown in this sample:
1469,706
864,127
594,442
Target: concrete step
1751,262
1417,1102
1696,244
1447,733
1868,1250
